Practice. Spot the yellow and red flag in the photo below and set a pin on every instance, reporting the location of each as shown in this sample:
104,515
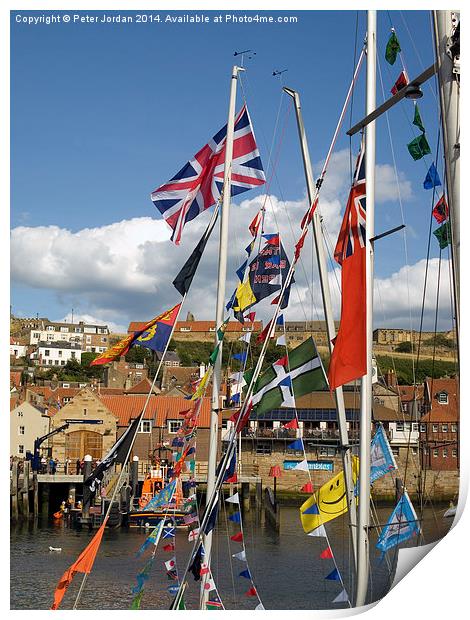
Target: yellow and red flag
154,335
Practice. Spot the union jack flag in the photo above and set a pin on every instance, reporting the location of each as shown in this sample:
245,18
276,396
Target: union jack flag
198,185
352,234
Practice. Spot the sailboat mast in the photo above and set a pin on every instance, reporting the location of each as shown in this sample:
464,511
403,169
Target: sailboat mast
328,311
219,315
449,88
363,515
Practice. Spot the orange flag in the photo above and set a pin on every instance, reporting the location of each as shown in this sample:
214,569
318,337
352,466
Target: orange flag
84,564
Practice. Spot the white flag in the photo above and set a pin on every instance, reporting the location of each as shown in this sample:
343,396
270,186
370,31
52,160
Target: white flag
240,556
193,534
318,531
170,564
342,597
209,584
281,340
303,465
233,499
276,280
260,606
246,337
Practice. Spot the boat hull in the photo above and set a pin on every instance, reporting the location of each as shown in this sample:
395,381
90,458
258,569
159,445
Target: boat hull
140,518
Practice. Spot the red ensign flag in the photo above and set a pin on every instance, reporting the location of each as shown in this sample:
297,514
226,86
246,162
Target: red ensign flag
348,360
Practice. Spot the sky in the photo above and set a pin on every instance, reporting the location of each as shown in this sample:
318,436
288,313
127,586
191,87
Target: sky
103,113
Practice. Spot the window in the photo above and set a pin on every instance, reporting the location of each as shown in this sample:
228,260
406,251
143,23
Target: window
56,362
88,339
395,451
454,453
444,453
20,449
72,355
400,426
104,340
47,352
174,425
415,426
443,398
20,414
20,430
435,452
145,426
64,329
212,329
224,424
36,335
435,428
263,447
50,328
65,385
247,329
62,362
444,428
84,412
453,428
66,399
186,329
422,428
414,451
59,353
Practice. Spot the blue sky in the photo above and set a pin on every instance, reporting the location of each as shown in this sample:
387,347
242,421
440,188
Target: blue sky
101,114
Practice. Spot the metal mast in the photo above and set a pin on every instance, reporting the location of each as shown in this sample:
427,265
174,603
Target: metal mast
219,316
447,40
363,515
328,311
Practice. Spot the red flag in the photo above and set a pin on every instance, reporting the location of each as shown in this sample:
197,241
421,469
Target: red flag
307,218
244,420
251,592
84,564
307,488
401,82
283,361
255,224
441,210
264,334
348,360
272,239
250,316
292,424
326,554
232,479
237,537
299,245
170,547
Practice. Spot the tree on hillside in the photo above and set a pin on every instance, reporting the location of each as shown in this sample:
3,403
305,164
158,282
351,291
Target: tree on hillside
404,347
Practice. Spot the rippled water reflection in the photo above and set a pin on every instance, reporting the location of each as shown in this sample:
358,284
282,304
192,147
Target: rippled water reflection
287,569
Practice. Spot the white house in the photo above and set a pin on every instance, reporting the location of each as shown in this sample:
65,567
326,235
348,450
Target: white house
17,350
27,422
56,353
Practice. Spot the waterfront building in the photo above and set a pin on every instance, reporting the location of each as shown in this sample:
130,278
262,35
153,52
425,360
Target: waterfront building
439,426
90,337
204,331
27,422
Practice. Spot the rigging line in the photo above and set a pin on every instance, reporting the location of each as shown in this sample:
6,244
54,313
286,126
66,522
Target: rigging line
351,107
405,238
228,547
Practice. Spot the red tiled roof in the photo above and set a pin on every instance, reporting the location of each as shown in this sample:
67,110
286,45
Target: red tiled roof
143,387
440,412
15,377
200,326
406,392
163,408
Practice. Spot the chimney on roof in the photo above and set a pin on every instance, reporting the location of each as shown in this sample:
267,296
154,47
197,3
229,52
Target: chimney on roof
190,316
390,378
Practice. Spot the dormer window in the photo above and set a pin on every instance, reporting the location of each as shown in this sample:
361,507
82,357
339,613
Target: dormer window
443,398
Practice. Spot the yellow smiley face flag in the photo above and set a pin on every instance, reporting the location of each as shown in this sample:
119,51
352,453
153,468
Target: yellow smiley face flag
328,502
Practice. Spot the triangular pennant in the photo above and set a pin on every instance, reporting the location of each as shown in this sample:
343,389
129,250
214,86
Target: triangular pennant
302,466
233,499
237,537
326,554
318,532
334,575
241,555
341,598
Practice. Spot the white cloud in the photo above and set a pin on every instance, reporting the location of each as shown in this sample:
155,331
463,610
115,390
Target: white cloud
123,271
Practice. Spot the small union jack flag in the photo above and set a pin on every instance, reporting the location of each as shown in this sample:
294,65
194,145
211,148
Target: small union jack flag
198,185
352,234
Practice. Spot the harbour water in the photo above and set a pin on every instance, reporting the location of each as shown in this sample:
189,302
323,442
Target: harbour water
286,566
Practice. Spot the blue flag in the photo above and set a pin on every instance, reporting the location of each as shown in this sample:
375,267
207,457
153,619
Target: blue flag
432,178
401,525
241,357
381,457
162,498
212,519
286,382
173,589
296,445
241,271
168,532
334,575
280,320
143,576
235,517
246,574
235,398
151,539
